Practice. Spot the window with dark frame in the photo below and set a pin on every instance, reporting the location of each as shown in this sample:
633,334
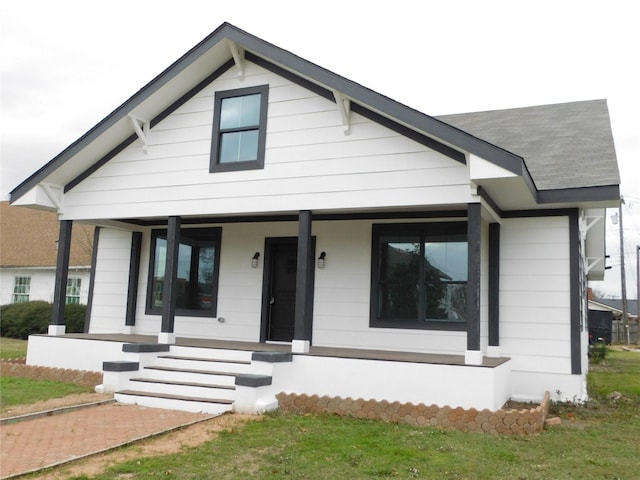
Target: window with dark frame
197,282
419,276
239,129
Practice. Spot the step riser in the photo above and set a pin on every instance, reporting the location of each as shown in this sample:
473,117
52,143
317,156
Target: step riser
188,377
241,355
183,390
203,365
171,404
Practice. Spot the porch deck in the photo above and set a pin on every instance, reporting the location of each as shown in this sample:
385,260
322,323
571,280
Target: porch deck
353,353
406,377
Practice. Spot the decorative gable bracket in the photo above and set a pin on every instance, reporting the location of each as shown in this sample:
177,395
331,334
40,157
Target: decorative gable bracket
141,127
238,58
588,221
344,108
53,193
592,262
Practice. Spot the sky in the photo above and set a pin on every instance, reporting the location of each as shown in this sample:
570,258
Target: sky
66,64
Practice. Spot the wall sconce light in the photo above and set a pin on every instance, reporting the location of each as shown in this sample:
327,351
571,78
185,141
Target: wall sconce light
254,260
322,259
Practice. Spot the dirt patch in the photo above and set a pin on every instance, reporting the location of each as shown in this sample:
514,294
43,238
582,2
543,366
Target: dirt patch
171,442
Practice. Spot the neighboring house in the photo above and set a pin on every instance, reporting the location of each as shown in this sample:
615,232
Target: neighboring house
28,251
614,305
605,315
248,196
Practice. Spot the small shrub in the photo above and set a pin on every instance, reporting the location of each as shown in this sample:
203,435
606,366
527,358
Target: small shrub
597,351
19,320
74,314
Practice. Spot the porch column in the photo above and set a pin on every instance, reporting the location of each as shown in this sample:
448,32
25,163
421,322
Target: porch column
302,326
92,279
57,326
132,290
494,290
170,286
473,354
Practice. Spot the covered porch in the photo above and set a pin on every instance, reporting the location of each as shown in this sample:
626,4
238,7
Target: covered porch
354,302
261,371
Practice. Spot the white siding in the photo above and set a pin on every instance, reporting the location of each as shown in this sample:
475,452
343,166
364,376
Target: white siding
309,164
535,294
42,283
240,286
111,279
342,295
342,292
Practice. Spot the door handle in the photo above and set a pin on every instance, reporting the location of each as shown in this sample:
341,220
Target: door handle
272,301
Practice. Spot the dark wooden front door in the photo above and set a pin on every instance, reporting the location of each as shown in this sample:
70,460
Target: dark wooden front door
281,291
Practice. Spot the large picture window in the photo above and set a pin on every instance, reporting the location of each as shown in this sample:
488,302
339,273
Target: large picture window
239,129
419,276
197,282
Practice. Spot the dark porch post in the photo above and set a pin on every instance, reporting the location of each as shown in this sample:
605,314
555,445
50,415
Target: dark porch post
473,355
132,290
57,326
302,327
170,286
494,290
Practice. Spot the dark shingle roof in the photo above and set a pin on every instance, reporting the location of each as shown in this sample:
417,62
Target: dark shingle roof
632,305
567,145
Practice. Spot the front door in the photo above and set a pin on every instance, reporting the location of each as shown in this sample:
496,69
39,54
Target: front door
281,290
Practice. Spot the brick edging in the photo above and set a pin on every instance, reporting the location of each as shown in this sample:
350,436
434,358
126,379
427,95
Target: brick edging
506,422
80,377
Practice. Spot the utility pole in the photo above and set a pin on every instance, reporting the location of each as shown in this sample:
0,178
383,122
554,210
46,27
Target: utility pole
625,307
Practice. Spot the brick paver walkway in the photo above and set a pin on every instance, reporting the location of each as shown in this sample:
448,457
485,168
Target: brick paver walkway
46,441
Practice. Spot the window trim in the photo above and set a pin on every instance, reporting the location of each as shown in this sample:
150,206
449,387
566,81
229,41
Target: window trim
425,228
216,233
78,296
215,165
24,296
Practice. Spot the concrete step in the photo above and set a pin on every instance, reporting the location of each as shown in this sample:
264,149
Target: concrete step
191,389
203,352
174,402
201,363
191,375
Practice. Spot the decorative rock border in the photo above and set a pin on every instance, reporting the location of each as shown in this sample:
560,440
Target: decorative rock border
81,377
507,422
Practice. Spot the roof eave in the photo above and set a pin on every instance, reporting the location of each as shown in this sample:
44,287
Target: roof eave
380,103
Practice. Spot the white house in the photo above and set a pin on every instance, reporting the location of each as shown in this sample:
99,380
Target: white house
28,250
249,199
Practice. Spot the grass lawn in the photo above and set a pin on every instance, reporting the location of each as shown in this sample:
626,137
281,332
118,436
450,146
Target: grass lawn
595,441
12,348
22,391
620,371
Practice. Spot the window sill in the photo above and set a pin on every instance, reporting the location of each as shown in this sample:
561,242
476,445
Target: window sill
184,313
413,325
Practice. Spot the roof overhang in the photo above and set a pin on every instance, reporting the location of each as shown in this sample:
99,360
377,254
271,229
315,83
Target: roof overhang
509,182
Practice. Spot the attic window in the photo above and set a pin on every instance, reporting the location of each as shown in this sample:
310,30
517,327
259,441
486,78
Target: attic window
239,129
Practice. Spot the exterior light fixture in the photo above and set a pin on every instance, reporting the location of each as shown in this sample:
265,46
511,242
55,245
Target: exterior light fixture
322,259
254,260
